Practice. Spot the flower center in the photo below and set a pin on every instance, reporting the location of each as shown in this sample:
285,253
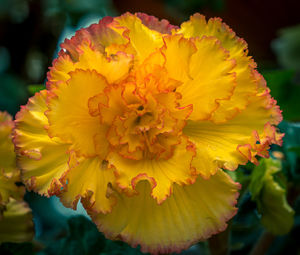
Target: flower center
144,120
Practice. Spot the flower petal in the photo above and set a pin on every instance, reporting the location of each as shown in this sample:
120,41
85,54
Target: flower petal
88,180
68,113
114,67
234,142
142,39
178,51
8,189
246,84
212,78
162,173
43,160
16,225
194,212
7,150
99,34
163,26
206,70
198,27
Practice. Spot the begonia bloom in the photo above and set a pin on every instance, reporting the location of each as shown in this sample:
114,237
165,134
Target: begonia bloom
138,122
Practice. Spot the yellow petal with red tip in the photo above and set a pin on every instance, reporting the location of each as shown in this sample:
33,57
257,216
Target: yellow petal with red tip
198,27
114,67
89,180
212,78
246,84
142,39
78,127
162,173
99,35
163,26
43,160
16,226
7,153
219,145
246,87
193,212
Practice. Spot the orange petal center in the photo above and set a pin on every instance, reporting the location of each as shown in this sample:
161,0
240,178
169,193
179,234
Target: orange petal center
143,114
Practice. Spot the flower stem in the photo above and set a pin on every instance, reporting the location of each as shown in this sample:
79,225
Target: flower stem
263,244
219,244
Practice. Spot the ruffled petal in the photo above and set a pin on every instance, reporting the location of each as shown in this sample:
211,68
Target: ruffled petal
89,180
16,226
42,160
161,173
9,173
212,78
7,152
100,35
234,142
194,212
178,51
113,67
246,82
163,26
198,27
68,113
143,39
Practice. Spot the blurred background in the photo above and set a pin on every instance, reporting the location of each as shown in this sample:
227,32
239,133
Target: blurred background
30,34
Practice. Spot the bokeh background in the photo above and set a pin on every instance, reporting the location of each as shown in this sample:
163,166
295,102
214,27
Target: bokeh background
30,34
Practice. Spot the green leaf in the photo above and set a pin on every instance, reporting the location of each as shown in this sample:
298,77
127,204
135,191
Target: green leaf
277,215
35,88
269,193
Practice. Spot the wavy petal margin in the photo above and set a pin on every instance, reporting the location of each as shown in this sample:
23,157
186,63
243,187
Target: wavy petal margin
9,173
7,152
227,145
89,181
193,212
161,173
41,159
68,114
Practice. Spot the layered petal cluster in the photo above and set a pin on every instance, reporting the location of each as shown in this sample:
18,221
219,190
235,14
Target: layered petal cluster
138,122
15,216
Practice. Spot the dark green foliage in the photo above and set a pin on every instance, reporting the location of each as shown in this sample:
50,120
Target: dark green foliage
83,238
32,89
285,88
290,148
287,47
12,93
16,249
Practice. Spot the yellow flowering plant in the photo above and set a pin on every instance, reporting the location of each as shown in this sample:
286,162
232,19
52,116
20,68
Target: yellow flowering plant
15,216
139,121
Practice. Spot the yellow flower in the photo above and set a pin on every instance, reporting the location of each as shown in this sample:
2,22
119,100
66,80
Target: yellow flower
138,121
15,216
